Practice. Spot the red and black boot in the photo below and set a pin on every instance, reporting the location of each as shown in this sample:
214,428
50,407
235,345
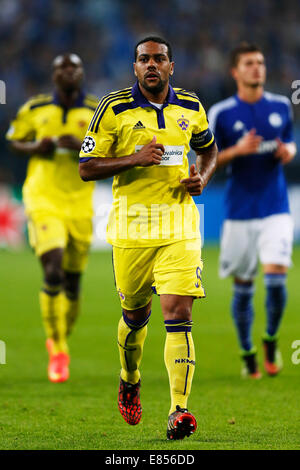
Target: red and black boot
129,402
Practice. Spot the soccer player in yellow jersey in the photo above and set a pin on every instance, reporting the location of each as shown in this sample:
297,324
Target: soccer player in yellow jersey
50,129
141,136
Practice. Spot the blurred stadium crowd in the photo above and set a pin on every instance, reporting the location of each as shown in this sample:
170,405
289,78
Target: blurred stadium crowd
103,33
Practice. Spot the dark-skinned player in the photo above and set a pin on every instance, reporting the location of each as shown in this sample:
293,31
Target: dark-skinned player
50,128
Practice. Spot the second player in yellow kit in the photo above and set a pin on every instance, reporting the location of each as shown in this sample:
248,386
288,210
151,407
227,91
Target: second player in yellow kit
50,128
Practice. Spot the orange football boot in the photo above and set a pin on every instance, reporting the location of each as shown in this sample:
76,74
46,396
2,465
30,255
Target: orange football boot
58,367
273,359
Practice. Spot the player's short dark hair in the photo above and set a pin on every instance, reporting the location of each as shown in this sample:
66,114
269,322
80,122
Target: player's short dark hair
157,39
243,48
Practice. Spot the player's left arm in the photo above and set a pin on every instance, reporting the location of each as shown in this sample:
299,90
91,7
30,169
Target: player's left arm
69,141
203,143
286,147
200,174
285,151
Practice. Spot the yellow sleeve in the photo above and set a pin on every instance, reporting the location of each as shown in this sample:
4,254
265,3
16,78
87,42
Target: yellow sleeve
202,136
22,127
99,143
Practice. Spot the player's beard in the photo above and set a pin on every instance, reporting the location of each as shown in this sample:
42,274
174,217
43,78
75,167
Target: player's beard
70,87
255,85
156,89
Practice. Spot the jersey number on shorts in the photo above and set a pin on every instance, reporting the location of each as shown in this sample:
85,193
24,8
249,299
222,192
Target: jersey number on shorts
198,274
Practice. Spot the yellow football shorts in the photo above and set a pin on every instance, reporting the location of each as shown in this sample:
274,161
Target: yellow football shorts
171,269
47,232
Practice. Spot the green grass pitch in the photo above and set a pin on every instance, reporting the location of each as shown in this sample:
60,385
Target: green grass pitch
232,413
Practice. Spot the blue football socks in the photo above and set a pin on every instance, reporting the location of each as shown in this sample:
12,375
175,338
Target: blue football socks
243,314
276,297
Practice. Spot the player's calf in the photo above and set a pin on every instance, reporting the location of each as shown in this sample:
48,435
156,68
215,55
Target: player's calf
243,313
276,298
131,337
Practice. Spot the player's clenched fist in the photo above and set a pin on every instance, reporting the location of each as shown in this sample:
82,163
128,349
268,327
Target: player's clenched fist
44,146
150,154
249,143
68,141
194,184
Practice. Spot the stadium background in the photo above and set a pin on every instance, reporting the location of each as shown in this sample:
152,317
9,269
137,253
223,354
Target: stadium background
103,33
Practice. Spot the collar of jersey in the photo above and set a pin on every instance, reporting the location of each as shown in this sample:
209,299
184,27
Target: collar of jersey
261,100
142,101
77,104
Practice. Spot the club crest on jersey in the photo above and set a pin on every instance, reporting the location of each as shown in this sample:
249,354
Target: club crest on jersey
275,120
88,144
239,126
183,123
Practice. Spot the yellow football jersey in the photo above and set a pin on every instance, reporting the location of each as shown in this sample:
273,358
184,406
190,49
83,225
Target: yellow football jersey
151,207
53,183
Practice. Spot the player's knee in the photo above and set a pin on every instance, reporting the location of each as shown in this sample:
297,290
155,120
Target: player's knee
52,266
53,274
179,311
274,269
139,315
243,282
72,284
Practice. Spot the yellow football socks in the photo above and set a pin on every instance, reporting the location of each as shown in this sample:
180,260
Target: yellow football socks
131,338
71,307
179,357
53,315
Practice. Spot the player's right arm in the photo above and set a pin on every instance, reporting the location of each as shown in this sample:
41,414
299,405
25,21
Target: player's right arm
102,168
21,134
246,145
41,147
96,160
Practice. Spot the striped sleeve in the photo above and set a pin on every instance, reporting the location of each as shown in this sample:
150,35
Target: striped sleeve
217,117
202,136
213,115
103,106
99,143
